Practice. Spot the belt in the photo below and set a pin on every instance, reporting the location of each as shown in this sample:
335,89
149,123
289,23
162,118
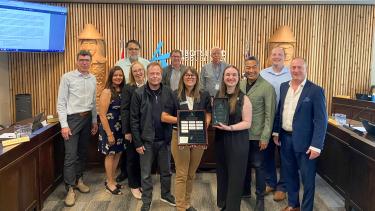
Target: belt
83,114
287,132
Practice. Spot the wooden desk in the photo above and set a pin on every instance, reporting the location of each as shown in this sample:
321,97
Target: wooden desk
347,163
354,108
30,171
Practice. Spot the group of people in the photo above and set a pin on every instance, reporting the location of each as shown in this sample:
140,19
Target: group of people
274,108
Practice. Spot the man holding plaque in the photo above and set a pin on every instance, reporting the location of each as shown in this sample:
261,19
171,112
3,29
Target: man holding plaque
263,98
151,137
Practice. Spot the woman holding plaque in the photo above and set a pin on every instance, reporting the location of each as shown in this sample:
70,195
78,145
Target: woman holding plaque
187,157
110,133
231,142
136,79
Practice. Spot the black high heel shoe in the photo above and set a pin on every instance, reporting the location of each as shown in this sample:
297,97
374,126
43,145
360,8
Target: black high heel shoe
116,191
119,186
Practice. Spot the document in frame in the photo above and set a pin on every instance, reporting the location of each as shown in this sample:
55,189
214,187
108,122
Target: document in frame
192,127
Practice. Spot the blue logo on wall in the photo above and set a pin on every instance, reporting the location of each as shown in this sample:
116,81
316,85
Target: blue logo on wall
158,56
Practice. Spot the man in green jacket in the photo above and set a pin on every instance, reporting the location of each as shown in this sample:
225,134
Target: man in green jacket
263,98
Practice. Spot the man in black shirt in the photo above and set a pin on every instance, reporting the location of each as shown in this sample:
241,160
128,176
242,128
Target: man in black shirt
152,137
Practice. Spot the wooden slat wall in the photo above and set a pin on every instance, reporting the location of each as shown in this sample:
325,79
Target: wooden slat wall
336,40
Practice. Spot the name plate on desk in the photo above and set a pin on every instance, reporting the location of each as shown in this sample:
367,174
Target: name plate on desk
220,111
191,127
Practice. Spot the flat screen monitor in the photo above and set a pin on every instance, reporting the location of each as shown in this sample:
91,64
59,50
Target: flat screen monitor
37,122
32,27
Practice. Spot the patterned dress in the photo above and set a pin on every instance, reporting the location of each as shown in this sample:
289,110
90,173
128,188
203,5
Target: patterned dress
114,120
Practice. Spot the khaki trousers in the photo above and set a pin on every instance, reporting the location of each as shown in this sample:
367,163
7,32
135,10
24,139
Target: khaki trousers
186,162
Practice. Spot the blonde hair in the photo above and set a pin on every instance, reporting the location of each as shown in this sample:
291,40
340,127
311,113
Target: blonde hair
132,81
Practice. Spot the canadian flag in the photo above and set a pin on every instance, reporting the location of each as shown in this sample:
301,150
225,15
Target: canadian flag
122,49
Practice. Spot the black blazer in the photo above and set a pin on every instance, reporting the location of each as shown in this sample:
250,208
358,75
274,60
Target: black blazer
181,104
126,96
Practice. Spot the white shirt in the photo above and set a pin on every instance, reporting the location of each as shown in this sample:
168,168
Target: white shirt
125,65
190,102
77,93
290,104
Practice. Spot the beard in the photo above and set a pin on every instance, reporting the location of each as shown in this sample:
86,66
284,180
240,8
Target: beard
133,58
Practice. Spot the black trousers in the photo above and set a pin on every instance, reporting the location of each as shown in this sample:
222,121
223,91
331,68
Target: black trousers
255,160
162,152
231,157
132,166
124,162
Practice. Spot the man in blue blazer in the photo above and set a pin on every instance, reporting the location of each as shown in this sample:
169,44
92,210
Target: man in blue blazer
301,123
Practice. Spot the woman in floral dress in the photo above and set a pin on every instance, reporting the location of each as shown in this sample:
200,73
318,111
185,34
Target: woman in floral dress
111,141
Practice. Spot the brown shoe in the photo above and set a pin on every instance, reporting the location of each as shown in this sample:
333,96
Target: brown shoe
269,189
291,209
82,187
70,198
279,196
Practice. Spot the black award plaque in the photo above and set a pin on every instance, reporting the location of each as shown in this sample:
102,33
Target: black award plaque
220,111
192,127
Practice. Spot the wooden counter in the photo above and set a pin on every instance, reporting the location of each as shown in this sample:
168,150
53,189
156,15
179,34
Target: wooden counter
30,171
348,164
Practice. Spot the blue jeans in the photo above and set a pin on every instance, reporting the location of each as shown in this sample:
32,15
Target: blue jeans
255,160
270,167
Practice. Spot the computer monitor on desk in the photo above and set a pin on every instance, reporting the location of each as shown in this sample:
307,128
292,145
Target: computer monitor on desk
37,122
369,126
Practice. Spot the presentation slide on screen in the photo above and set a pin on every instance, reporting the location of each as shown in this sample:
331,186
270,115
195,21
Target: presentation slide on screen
21,29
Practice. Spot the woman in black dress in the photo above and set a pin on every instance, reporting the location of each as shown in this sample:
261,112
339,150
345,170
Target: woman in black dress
136,79
231,142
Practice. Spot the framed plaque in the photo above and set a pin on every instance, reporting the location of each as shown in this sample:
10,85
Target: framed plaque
191,127
220,111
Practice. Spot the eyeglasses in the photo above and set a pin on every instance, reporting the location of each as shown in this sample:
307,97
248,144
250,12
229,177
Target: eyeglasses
133,49
189,76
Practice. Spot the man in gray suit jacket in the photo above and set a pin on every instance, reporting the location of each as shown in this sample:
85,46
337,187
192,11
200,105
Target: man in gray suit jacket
172,73
212,73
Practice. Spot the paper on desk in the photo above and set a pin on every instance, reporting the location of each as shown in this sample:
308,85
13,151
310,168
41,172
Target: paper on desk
362,129
8,135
